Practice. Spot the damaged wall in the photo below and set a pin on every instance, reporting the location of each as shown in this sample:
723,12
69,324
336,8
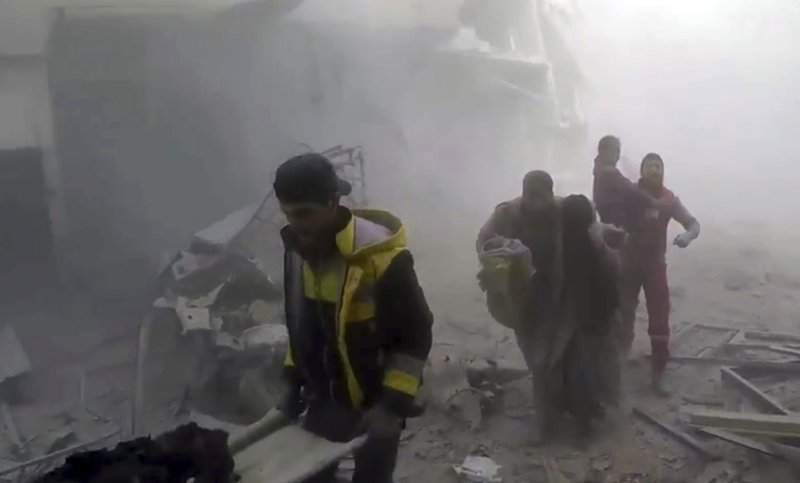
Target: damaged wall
167,122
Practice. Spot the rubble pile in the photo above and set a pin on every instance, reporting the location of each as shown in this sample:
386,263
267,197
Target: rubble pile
187,452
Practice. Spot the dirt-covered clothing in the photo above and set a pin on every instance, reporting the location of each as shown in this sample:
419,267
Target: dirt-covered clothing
618,200
576,360
645,267
538,233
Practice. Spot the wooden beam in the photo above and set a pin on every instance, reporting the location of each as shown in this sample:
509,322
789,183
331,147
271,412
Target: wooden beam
738,440
779,367
785,350
752,334
757,334
676,433
731,377
748,423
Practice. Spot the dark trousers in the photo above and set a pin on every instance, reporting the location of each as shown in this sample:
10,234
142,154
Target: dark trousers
652,276
375,461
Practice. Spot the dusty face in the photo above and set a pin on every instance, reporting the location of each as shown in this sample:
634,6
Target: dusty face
310,222
653,171
537,199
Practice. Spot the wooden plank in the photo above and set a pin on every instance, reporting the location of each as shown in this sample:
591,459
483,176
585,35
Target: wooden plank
776,336
738,440
748,423
781,367
676,433
290,455
753,334
785,350
731,377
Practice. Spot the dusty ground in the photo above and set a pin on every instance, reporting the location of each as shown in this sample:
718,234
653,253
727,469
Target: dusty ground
726,278
723,279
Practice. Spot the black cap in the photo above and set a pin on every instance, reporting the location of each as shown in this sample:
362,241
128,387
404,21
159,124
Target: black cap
309,178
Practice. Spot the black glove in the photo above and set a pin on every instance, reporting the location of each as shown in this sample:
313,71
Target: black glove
383,423
291,402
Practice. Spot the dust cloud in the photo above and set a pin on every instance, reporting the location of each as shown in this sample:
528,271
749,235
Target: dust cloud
710,85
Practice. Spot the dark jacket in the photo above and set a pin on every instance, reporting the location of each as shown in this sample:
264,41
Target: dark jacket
618,199
381,330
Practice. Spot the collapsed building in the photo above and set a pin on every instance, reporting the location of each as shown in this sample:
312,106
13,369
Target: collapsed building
158,118
136,124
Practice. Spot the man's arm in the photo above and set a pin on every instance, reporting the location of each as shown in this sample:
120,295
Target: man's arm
616,181
689,223
492,228
407,322
612,236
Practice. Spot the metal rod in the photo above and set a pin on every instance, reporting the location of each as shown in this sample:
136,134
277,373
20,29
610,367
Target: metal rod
738,440
137,413
676,433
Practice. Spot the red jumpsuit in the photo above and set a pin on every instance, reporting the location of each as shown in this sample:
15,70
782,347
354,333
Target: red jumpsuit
644,265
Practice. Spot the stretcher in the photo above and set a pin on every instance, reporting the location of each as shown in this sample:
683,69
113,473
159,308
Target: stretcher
273,450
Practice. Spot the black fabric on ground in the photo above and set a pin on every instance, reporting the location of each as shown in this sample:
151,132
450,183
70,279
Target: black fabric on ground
187,452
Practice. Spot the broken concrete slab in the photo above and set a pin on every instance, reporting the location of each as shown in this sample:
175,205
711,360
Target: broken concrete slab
14,360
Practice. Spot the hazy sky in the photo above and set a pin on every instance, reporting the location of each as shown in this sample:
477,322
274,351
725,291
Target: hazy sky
710,84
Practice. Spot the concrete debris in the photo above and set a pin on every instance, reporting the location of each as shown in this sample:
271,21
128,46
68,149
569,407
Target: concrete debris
448,390
717,472
14,360
49,458
61,439
602,464
19,446
478,469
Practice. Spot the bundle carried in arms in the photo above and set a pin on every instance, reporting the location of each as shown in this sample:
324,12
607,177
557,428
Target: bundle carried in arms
506,269
187,453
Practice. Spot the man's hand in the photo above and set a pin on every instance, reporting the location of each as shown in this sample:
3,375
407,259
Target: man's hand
382,423
291,402
683,240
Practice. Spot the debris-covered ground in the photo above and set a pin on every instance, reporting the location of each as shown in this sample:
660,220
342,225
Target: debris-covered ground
723,282
78,394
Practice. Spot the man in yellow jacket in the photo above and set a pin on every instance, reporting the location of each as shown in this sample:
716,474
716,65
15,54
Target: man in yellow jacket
359,326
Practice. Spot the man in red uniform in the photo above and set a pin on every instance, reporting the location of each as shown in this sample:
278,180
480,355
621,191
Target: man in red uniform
645,266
